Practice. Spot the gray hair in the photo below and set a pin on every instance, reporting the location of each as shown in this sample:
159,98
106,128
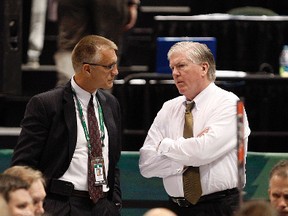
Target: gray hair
89,49
196,53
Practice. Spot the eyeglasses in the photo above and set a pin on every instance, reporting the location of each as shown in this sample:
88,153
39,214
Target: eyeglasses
107,67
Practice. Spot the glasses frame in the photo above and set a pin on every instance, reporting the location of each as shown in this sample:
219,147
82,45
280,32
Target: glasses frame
107,67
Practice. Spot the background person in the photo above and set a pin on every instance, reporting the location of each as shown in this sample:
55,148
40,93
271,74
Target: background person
37,32
278,187
40,9
212,149
159,212
55,135
78,18
15,192
256,208
36,183
4,211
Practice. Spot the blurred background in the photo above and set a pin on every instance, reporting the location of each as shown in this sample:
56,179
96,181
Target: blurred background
248,39
246,36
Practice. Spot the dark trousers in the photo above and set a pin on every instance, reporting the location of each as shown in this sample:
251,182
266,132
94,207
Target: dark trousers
57,205
78,18
224,206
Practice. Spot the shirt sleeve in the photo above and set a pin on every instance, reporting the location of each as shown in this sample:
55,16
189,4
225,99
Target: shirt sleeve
219,139
151,163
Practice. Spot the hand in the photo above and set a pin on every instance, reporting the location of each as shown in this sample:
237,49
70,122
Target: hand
133,9
203,132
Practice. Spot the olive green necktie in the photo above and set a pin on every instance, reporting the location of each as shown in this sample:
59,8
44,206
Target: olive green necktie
191,176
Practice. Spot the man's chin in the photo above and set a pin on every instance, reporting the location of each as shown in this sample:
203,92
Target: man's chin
282,213
108,86
181,91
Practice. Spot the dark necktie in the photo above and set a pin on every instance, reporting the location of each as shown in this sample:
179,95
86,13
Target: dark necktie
191,176
95,192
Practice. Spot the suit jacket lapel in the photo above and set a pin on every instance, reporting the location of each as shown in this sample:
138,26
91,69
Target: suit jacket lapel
108,116
69,116
105,108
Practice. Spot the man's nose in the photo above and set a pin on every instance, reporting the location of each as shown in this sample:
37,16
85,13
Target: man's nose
39,210
115,70
175,71
283,202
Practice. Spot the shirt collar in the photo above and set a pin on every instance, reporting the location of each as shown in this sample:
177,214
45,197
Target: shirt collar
82,95
200,98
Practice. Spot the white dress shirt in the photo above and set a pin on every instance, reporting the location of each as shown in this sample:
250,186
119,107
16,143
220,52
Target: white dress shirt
213,148
77,173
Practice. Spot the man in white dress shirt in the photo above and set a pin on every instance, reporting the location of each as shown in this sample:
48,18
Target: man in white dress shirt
213,148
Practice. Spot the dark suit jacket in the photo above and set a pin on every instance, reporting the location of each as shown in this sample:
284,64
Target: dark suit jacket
49,132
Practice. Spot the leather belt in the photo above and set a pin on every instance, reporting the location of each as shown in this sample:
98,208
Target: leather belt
65,188
82,194
182,202
85,194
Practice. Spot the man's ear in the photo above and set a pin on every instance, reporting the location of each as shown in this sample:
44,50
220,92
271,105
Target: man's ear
86,68
269,192
205,67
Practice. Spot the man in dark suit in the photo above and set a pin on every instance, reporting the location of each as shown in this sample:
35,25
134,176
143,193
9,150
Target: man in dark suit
55,136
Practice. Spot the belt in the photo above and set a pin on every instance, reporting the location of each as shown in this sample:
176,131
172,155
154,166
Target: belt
182,202
85,194
65,188
82,194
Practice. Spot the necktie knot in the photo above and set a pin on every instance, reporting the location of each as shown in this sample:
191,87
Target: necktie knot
91,101
189,106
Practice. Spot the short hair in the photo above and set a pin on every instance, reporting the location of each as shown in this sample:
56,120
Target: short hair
196,53
88,50
10,184
280,169
256,208
26,173
4,211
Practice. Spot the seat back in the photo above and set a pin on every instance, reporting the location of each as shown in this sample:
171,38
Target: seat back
258,166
